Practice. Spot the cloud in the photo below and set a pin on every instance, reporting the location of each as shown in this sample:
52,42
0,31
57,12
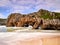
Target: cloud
57,11
2,16
22,5
49,5
28,5
22,2
17,11
4,2
54,3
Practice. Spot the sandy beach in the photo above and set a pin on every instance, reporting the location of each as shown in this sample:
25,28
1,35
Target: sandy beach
10,38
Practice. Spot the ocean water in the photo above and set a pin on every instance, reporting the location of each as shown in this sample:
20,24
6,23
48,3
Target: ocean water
3,29
8,29
25,29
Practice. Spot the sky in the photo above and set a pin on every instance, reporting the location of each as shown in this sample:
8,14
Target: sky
27,6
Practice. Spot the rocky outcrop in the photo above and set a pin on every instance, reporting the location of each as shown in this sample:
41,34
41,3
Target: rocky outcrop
51,24
43,18
29,20
19,20
13,19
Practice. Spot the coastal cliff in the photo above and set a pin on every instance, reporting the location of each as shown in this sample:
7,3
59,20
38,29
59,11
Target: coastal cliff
49,19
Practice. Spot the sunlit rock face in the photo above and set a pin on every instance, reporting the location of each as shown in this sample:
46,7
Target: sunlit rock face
19,20
42,18
13,19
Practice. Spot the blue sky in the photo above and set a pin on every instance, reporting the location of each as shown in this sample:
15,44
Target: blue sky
27,6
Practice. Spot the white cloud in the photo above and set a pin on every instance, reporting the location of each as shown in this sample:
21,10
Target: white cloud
2,16
4,2
22,5
56,11
48,4
54,3
17,11
23,1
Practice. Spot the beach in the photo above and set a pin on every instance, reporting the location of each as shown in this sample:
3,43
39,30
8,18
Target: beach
37,38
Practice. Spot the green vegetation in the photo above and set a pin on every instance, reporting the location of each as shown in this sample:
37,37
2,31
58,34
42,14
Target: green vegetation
57,15
2,19
48,15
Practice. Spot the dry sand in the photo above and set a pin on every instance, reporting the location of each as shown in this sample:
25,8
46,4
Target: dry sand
37,38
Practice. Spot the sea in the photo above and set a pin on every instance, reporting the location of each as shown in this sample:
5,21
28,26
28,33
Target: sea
25,29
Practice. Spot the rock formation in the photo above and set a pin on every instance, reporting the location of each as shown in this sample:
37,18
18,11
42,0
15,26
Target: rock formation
51,24
43,18
13,19
29,20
